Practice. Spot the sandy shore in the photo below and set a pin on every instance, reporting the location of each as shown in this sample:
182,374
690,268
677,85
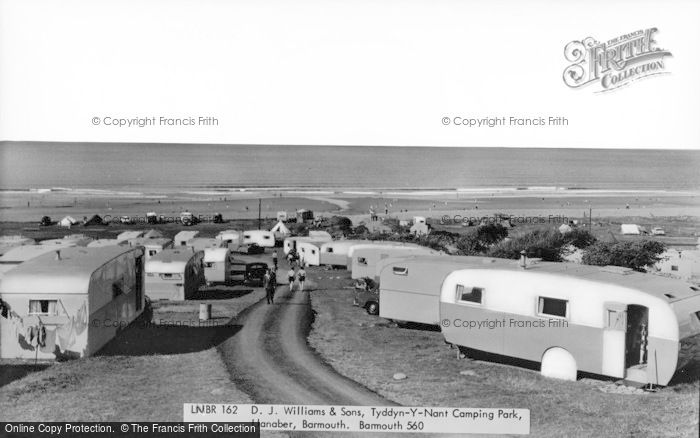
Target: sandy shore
31,206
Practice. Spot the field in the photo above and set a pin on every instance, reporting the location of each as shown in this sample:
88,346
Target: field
371,350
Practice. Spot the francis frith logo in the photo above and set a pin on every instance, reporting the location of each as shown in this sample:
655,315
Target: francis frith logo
616,62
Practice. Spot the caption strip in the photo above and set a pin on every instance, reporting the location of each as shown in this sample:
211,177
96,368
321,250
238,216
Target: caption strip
129,429
318,418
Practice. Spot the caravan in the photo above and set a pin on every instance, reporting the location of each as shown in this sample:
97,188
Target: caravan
609,321
9,242
152,245
290,243
309,253
21,254
202,243
366,257
336,253
183,237
174,274
410,287
217,265
70,302
232,238
263,238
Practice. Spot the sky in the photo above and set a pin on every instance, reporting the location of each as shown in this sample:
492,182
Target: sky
329,72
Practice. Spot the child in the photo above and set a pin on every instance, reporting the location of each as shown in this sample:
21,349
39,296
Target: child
302,278
290,276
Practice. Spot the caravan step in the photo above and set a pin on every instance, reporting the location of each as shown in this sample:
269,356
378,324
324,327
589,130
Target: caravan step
636,375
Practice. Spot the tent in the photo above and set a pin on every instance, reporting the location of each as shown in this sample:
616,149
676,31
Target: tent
280,229
94,220
630,229
67,222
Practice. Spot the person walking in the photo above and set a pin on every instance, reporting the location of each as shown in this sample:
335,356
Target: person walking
274,258
301,274
290,276
269,287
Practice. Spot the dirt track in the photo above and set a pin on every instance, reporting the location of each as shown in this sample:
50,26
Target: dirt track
270,359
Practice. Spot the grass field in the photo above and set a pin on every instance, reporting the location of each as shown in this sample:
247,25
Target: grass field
370,350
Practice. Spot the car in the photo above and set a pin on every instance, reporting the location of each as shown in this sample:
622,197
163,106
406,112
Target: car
251,249
45,221
367,295
126,220
255,272
656,231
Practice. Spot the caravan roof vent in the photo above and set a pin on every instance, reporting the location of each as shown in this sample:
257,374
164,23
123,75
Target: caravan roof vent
669,296
617,270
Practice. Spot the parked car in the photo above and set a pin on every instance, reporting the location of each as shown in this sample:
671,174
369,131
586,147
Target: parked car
656,231
126,220
255,272
367,295
45,221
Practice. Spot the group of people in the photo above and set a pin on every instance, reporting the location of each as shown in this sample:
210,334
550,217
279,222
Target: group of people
294,275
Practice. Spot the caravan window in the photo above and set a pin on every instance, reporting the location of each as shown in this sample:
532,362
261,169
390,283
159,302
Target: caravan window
42,307
209,264
398,270
553,307
170,276
329,249
152,252
361,260
469,294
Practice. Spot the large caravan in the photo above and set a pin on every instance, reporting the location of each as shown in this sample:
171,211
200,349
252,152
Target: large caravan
263,238
217,265
609,321
410,287
21,254
70,302
366,258
335,253
174,274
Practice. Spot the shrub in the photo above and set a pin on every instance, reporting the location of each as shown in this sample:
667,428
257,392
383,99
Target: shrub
637,255
545,244
580,238
491,233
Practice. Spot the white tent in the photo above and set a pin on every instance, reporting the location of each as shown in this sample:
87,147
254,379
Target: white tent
280,229
630,229
67,222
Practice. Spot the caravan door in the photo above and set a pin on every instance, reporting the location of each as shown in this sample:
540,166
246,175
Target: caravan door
614,342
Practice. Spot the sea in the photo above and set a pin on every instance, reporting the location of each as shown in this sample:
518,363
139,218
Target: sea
141,169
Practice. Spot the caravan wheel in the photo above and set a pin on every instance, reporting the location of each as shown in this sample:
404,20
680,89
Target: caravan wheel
557,363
